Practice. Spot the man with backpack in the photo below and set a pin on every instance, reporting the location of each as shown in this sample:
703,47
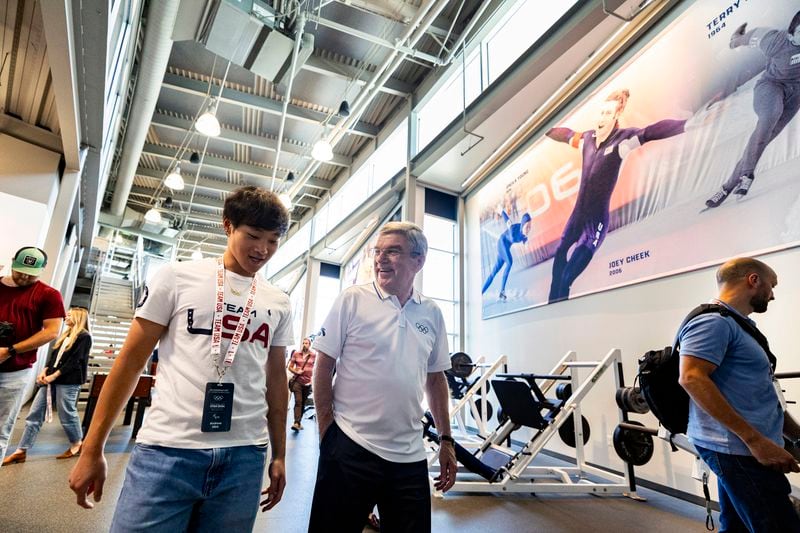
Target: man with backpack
736,420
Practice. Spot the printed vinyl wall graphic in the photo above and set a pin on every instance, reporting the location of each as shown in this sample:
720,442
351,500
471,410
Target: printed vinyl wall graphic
685,156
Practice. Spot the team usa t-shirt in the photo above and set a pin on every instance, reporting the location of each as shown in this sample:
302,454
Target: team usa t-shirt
181,296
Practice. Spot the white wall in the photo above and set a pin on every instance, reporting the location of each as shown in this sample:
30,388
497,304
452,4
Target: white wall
28,171
635,319
29,181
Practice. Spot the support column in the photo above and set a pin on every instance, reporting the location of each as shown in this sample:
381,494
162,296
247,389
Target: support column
71,278
62,212
413,207
310,307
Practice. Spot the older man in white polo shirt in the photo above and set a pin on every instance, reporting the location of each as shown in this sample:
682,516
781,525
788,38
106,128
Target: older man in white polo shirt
388,346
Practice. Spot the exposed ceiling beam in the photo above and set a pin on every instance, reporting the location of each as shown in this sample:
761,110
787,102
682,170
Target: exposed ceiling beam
190,245
184,197
261,103
345,72
58,32
246,139
200,217
205,242
401,12
366,36
167,152
259,171
202,183
105,220
31,134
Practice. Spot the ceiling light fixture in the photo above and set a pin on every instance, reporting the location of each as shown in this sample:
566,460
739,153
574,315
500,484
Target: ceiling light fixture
174,179
286,200
153,216
207,123
344,109
322,151
197,255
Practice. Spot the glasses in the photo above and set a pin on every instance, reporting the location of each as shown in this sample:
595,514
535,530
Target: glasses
391,253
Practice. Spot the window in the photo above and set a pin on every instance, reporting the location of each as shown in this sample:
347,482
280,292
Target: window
522,27
385,162
289,250
449,102
327,291
440,273
298,302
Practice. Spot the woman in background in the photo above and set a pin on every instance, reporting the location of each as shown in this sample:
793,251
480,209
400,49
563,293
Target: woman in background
61,381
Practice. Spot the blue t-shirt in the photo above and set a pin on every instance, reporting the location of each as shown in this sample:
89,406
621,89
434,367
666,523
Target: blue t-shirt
743,376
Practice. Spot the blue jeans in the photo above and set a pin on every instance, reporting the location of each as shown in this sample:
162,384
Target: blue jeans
167,490
66,402
751,496
12,385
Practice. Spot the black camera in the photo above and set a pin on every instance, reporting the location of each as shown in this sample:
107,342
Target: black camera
6,334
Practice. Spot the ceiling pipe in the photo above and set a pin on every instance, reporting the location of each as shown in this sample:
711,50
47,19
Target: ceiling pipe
374,39
424,19
157,45
301,24
389,9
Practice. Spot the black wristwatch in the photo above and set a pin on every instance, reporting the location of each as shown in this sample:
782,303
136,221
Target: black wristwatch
447,438
11,351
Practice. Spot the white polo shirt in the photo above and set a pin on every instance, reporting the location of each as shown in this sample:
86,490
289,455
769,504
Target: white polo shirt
384,353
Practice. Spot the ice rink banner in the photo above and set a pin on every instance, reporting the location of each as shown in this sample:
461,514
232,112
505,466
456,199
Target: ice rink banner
685,156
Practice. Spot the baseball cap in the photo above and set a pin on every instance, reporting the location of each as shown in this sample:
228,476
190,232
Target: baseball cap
29,260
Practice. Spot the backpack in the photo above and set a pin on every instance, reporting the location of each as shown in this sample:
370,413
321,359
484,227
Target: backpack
659,371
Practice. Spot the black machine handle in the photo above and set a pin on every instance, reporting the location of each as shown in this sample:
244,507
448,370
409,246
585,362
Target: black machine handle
463,456
559,377
642,429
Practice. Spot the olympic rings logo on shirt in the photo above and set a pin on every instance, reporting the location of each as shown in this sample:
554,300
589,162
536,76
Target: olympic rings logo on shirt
422,328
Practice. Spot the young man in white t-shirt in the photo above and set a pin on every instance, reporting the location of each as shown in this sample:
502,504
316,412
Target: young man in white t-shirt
199,459
388,345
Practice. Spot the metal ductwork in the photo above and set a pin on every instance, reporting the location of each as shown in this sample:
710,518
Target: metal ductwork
248,33
161,15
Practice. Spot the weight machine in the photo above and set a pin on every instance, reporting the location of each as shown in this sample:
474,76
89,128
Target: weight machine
472,397
494,466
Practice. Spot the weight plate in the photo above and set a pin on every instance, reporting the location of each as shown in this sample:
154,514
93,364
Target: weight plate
567,431
461,365
634,447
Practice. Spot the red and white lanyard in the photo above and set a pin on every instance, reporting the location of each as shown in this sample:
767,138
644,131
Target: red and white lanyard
216,332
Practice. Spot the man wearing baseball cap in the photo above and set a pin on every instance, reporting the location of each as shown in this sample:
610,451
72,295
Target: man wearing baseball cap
31,313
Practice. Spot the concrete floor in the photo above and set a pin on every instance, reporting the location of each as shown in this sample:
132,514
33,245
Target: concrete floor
38,500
